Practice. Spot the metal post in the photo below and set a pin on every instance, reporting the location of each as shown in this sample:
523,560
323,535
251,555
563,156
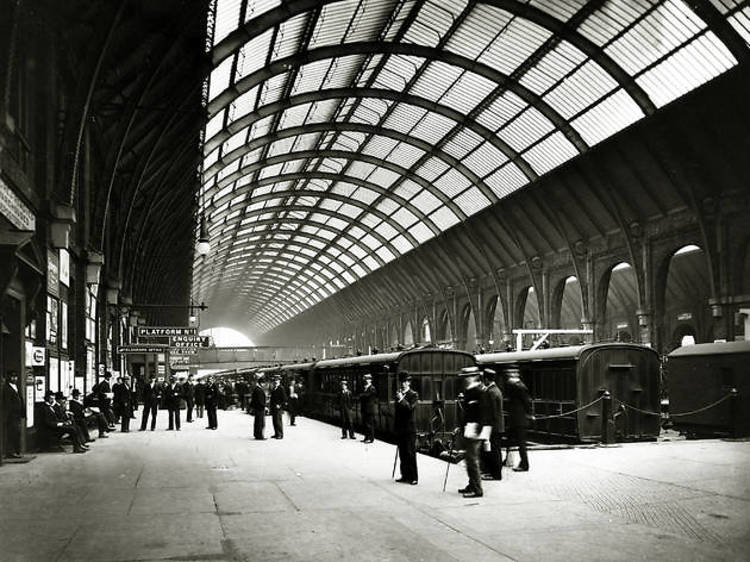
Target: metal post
607,436
734,413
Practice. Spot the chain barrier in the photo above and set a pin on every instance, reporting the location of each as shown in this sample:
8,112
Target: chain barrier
570,412
681,414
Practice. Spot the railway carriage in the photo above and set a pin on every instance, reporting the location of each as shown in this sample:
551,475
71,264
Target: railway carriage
704,374
433,373
562,381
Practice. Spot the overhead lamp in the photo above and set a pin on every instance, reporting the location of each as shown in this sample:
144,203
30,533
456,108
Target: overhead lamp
93,267
204,246
113,291
63,216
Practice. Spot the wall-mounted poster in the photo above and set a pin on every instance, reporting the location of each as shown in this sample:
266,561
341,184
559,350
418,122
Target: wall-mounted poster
54,374
53,273
30,399
90,369
65,267
52,319
64,325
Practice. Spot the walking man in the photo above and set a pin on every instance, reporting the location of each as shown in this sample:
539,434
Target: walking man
520,414
278,399
368,401
477,428
406,430
493,457
345,407
258,406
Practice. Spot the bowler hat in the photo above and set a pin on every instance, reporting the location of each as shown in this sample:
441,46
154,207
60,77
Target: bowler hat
404,376
469,372
75,392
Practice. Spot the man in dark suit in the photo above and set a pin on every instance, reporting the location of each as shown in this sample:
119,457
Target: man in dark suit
368,401
118,390
125,398
172,397
104,398
188,391
345,409
278,400
477,428
258,407
211,397
12,409
152,395
520,413
200,398
406,430
293,402
493,460
58,427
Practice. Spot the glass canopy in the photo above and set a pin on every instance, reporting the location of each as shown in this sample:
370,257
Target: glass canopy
343,134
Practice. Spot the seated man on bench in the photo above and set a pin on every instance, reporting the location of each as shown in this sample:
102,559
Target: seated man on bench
53,425
83,416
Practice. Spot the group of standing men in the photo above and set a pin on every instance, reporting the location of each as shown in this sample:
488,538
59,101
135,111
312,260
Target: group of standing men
368,401
198,396
484,424
278,401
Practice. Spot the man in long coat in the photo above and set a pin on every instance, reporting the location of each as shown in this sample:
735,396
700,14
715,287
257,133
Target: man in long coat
258,407
368,401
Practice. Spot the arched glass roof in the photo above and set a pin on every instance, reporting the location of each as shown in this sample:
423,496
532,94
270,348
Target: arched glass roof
343,134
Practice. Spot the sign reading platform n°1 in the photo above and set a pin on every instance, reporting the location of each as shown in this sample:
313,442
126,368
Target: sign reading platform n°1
166,331
142,348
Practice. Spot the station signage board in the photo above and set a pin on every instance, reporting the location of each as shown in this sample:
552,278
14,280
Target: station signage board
166,331
179,360
181,342
15,210
142,348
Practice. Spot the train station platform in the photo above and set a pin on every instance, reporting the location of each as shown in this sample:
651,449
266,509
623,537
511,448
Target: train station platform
219,495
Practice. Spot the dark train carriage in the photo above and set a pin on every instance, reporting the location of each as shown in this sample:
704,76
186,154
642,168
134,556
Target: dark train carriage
433,378
565,379
703,374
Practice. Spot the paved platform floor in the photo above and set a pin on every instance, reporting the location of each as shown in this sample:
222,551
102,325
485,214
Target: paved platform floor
218,495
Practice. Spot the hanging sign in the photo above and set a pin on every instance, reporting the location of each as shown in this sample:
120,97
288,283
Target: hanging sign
189,341
142,348
14,209
165,331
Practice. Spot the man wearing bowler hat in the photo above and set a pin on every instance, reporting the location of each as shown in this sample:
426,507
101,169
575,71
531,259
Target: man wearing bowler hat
406,430
477,428
493,461
368,401
345,409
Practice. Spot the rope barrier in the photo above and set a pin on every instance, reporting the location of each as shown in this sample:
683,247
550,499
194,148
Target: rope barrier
681,414
570,412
